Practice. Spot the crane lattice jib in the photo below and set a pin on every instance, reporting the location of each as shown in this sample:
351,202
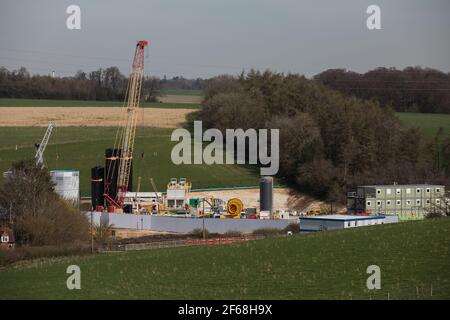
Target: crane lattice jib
126,142
39,156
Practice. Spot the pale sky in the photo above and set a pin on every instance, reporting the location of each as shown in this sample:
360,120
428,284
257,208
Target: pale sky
203,38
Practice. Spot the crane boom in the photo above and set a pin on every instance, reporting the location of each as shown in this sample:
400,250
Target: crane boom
128,128
39,156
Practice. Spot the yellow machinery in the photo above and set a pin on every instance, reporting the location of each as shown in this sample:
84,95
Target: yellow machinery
234,208
216,206
314,211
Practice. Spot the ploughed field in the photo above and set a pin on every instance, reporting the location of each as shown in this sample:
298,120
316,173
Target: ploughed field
89,116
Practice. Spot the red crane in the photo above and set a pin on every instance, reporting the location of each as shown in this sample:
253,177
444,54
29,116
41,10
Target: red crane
127,130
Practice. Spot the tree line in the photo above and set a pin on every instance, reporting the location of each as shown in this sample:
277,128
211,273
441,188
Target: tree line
107,84
412,89
329,142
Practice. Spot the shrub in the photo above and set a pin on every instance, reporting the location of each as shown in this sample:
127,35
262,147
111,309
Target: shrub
103,233
434,214
267,232
232,234
198,233
58,224
293,227
39,216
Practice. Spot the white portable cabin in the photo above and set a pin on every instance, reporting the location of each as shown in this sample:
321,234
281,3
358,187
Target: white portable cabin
337,221
177,193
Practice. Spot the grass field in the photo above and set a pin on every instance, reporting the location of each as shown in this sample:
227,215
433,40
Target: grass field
88,103
428,123
182,92
413,258
80,148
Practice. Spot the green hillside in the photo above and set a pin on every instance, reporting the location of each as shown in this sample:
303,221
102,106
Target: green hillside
428,123
80,148
413,257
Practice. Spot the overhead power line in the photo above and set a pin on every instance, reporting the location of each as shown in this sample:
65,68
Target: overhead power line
212,66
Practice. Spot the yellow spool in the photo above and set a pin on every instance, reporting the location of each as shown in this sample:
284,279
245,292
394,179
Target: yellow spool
234,206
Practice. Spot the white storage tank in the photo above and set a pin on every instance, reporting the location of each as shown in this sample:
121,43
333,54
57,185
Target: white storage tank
67,184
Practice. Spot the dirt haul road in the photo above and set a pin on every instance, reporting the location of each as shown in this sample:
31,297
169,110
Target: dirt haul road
283,198
88,116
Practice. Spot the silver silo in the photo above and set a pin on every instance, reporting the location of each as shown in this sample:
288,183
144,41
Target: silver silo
266,194
67,184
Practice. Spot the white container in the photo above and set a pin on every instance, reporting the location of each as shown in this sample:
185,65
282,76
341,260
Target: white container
283,215
264,214
67,184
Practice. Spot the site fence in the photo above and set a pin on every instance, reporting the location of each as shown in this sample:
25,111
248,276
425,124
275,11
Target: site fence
179,243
